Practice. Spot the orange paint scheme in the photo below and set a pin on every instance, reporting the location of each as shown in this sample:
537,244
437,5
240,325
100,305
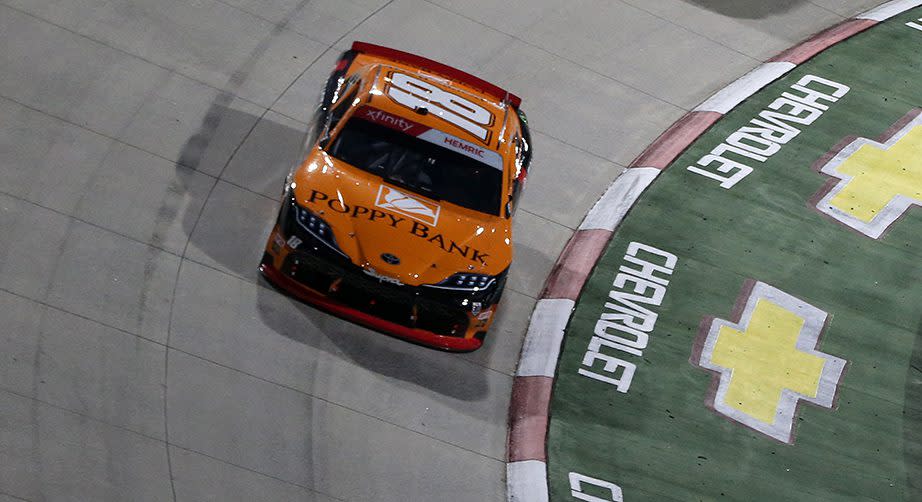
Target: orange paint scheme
373,219
345,198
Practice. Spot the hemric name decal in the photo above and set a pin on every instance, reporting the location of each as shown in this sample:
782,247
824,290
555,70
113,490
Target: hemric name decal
415,228
464,146
765,134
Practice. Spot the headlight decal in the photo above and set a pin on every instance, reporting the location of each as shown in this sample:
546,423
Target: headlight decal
466,282
314,224
311,223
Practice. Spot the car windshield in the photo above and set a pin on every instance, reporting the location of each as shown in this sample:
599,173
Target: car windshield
421,166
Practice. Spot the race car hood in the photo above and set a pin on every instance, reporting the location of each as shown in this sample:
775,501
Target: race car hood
394,233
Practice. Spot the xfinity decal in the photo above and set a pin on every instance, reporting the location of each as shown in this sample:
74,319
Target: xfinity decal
408,205
391,121
415,228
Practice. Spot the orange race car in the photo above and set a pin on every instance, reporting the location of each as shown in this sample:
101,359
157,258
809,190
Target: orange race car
400,215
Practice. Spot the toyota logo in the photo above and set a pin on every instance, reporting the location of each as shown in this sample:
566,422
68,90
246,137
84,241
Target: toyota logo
390,259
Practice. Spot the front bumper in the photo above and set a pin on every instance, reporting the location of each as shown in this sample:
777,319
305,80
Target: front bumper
308,295
340,288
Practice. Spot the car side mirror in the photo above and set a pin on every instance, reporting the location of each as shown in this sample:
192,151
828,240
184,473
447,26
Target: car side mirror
325,134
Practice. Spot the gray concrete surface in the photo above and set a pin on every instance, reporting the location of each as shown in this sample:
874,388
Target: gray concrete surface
142,146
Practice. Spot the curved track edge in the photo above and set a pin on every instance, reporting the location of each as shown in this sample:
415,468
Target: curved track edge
526,468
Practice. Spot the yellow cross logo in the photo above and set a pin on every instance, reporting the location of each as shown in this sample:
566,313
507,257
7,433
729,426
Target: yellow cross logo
765,361
878,181
768,362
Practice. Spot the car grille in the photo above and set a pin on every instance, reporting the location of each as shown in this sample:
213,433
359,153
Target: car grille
383,300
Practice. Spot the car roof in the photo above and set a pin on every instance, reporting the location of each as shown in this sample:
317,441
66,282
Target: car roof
437,102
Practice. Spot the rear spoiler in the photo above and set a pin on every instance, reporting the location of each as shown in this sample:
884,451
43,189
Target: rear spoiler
442,69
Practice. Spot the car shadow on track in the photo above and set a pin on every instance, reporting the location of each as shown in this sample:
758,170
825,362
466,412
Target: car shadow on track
747,9
440,372
231,233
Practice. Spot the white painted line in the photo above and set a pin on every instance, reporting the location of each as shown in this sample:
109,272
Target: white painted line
542,341
608,212
526,481
727,98
889,9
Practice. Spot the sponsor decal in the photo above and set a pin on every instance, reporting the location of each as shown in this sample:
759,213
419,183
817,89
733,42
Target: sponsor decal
875,183
625,325
767,362
403,203
381,277
414,94
391,121
728,163
294,242
416,229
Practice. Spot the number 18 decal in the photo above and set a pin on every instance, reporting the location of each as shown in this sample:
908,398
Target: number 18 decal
414,93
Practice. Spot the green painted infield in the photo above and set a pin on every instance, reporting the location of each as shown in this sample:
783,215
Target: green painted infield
660,440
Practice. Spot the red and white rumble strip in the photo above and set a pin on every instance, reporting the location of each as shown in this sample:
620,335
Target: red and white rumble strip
526,470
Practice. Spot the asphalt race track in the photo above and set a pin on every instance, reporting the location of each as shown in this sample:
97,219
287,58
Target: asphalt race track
142,148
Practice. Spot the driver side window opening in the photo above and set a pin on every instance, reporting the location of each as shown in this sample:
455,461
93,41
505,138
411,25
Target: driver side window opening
519,176
336,115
